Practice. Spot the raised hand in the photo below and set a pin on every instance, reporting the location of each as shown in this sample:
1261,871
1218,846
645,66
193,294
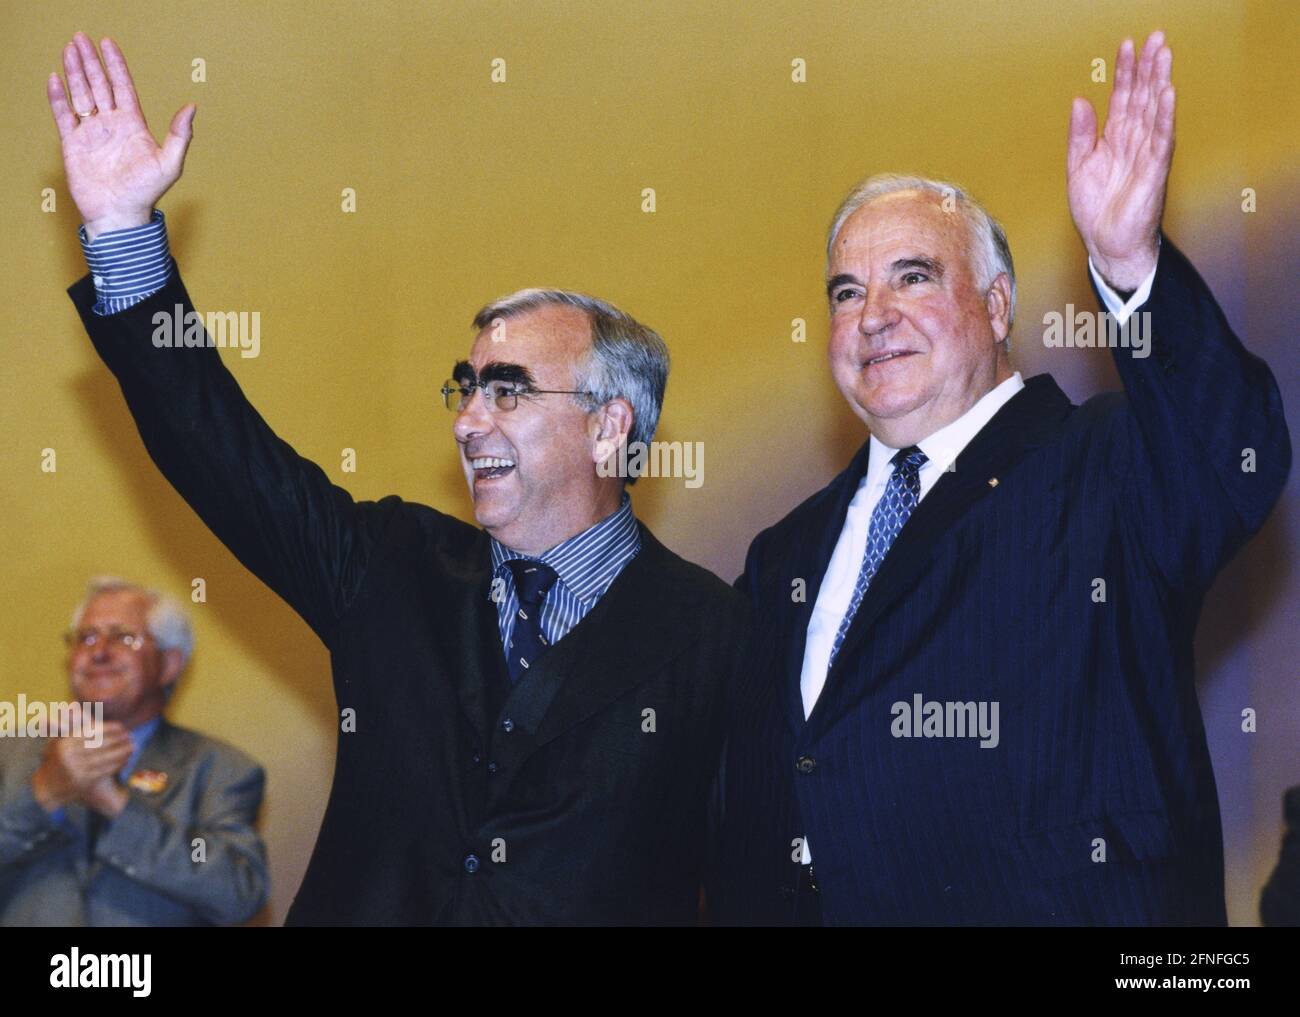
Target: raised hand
116,171
1116,182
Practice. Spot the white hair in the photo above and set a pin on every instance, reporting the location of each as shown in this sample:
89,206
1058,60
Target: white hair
990,255
166,619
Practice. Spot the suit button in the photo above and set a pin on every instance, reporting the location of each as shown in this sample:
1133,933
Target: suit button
476,758
806,764
471,864
492,768
507,725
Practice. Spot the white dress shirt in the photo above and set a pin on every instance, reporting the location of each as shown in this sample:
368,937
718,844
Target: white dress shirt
941,450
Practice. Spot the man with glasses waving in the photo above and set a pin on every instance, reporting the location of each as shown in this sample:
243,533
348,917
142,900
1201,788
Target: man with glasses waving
120,817
534,707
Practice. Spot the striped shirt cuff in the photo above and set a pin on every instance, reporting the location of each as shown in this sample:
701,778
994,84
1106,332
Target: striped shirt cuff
128,265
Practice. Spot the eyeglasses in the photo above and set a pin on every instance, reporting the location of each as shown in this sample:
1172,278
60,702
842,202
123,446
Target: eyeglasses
85,639
502,396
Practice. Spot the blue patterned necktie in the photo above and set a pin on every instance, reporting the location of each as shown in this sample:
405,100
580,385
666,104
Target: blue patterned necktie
532,580
901,495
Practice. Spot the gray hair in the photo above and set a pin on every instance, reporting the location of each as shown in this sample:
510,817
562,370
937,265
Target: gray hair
627,359
989,252
166,619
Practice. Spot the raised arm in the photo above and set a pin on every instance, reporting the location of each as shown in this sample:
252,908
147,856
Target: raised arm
278,512
1204,442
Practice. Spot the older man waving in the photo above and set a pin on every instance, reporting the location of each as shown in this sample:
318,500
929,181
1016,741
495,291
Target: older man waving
983,710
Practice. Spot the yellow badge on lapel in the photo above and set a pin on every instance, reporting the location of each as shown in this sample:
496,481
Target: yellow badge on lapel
149,782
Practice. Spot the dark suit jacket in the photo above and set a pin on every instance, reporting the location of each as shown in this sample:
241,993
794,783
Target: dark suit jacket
586,808
988,594
143,871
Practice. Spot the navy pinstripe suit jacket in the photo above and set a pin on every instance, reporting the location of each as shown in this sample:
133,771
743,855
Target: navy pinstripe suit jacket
989,595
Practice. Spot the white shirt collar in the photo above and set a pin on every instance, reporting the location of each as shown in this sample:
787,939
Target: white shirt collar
942,447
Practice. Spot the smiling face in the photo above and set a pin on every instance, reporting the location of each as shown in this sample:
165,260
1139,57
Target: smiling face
914,343
130,683
532,470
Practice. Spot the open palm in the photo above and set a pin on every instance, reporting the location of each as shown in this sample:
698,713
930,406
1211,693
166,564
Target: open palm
115,169
1117,182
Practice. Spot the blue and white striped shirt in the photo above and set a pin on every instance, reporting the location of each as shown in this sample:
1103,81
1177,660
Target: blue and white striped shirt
587,565
128,265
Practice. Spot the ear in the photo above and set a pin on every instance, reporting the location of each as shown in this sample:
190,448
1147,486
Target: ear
609,427
173,663
998,304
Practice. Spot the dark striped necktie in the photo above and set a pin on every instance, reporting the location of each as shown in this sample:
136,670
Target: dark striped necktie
532,580
901,496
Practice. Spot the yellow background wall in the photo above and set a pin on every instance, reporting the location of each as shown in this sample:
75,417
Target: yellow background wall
469,189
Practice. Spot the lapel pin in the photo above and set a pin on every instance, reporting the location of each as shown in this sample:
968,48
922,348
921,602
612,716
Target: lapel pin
150,782
993,481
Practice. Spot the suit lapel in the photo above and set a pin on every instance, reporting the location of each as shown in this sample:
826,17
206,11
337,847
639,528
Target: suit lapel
482,676
162,754
810,558
1028,420
640,624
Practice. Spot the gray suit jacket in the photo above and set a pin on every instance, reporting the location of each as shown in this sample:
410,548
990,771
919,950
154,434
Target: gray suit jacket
144,870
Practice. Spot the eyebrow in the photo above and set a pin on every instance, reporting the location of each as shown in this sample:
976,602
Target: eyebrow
495,370
843,279
920,261
926,264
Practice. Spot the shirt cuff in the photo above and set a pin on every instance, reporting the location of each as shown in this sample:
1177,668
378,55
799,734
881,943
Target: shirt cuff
128,265
1121,310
